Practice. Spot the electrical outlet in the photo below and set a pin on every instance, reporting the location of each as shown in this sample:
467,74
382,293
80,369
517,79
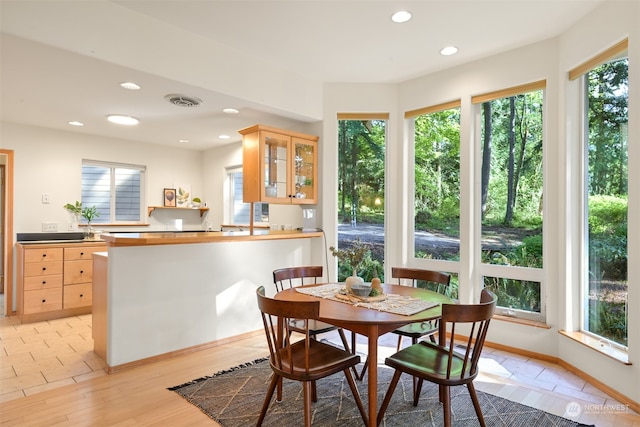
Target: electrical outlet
49,226
46,199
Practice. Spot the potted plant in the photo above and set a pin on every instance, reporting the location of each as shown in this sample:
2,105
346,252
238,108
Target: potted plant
195,202
75,210
90,214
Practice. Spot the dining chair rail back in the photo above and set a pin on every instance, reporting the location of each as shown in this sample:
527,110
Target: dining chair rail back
285,278
306,360
439,282
447,364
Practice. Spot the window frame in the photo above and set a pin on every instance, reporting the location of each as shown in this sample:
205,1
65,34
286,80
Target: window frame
580,73
410,116
142,169
512,272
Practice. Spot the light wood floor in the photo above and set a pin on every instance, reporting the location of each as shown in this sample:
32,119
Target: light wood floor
49,376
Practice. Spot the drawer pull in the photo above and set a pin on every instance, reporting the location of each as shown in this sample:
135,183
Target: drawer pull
81,271
81,295
81,253
44,255
44,300
44,268
44,282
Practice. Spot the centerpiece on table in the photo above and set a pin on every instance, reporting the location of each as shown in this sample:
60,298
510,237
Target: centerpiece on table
353,256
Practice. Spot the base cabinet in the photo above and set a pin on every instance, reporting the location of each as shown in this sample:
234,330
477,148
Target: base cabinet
55,280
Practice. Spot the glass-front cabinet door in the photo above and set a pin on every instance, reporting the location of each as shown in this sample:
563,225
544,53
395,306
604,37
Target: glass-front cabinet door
305,157
275,179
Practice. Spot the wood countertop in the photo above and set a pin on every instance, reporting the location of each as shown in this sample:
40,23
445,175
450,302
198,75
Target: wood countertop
186,237
39,244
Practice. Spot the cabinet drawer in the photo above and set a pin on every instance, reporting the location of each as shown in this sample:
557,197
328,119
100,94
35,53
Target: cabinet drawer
78,295
78,271
81,253
42,268
44,254
42,300
42,282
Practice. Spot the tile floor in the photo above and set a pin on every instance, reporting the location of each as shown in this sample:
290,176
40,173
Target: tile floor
39,356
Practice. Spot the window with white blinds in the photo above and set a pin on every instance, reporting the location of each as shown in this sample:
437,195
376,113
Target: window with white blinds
116,190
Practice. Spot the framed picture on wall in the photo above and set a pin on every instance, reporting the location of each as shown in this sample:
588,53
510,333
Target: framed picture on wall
183,195
170,197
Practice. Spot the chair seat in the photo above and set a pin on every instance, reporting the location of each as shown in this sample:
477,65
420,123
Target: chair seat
429,361
417,330
315,326
325,360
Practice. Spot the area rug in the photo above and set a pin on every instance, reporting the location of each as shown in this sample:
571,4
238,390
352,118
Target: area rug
234,398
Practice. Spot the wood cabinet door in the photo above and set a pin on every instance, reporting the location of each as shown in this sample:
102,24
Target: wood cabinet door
78,271
42,282
77,296
42,300
42,255
82,252
42,268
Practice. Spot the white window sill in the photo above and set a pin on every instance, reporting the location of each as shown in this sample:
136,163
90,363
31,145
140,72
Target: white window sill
598,345
521,321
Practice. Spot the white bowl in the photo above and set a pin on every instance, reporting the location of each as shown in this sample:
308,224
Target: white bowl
361,290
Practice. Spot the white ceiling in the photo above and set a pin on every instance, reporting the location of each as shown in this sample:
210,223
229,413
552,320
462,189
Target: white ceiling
63,60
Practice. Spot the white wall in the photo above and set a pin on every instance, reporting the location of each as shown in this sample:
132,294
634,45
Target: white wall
48,161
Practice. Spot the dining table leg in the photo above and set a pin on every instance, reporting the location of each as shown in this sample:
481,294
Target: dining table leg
372,388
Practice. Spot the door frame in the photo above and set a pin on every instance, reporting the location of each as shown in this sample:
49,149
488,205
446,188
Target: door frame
7,241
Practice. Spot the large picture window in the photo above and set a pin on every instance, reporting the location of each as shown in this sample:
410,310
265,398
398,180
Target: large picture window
605,200
511,198
116,190
361,189
436,194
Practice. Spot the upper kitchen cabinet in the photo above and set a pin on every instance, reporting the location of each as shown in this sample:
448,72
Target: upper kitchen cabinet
279,166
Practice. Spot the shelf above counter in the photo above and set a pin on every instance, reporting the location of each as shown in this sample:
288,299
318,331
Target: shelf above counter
152,208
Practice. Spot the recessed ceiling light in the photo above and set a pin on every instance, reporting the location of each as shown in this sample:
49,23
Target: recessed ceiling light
449,50
183,141
123,120
130,85
230,111
76,123
224,136
401,16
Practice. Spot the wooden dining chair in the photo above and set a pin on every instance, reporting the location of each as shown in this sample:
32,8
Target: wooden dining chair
432,280
284,278
306,360
446,363
440,282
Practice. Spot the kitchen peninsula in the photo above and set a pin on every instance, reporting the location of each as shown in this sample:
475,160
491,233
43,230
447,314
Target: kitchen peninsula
161,294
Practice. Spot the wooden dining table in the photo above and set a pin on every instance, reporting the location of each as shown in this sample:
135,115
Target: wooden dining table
370,323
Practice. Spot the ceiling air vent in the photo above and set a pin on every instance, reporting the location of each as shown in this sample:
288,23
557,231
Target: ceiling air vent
183,100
